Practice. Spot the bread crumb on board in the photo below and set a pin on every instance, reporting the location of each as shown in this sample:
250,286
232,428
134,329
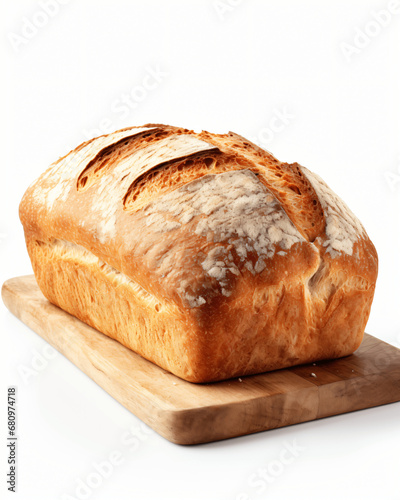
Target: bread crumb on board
313,375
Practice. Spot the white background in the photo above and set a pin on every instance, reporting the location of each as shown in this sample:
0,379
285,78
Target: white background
221,65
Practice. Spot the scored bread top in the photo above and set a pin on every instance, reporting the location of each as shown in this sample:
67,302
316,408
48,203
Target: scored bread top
187,215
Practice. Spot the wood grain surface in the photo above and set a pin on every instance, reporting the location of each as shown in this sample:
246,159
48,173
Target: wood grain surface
187,413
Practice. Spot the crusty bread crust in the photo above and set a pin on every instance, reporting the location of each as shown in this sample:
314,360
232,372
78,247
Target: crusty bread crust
201,252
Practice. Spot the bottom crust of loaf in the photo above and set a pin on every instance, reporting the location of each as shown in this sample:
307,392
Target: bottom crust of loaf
279,327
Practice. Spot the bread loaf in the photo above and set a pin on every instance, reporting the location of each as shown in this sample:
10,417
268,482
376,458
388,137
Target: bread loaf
201,252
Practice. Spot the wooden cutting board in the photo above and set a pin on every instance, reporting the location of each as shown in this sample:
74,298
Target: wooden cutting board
187,413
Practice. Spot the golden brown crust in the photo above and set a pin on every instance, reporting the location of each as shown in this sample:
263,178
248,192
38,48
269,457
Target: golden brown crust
253,264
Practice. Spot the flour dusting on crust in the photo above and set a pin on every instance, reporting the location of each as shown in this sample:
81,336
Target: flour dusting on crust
343,228
68,168
109,192
232,207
